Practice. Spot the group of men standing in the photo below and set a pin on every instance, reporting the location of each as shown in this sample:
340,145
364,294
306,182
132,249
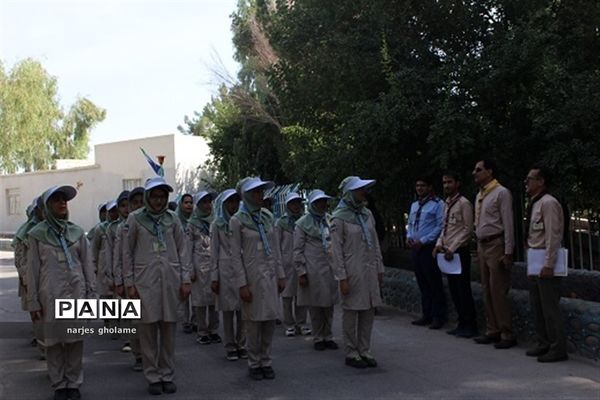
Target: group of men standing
439,228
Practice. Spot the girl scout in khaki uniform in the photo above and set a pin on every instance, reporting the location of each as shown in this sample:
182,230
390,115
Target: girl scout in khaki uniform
159,274
258,273
358,267
294,315
203,298
59,267
313,260
222,274
185,207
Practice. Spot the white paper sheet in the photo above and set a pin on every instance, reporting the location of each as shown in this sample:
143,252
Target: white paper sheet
449,267
536,258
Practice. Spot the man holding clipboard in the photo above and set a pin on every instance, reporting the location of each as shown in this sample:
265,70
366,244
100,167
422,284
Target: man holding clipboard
544,227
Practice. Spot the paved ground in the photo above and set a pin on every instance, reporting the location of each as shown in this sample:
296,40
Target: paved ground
415,363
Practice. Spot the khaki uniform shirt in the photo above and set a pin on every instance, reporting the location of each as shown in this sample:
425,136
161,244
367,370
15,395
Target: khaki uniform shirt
546,228
496,217
199,243
222,271
458,224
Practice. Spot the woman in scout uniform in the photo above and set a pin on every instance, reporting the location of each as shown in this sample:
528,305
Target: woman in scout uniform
222,275
59,267
158,273
313,261
185,207
258,273
358,267
203,298
101,217
101,254
294,315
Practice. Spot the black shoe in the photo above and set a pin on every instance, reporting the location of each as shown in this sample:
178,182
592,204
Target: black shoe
138,367
73,394
215,338
61,394
537,351
232,355
506,344
277,322
466,333
268,373
188,328
356,362
331,345
371,362
452,331
422,321
155,388
33,342
552,357
436,324
255,373
243,354
320,346
169,387
485,339
205,339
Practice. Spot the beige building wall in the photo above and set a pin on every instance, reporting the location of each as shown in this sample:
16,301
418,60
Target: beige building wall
118,165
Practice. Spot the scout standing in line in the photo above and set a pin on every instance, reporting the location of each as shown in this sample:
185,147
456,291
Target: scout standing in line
203,298
294,315
35,214
101,252
454,242
494,228
545,227
101,217
358,267
223,277
314,260
135,201
258,273
185,207
59,267
158,274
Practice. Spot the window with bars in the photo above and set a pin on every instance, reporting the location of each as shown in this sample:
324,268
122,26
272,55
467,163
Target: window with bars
13,201
129,184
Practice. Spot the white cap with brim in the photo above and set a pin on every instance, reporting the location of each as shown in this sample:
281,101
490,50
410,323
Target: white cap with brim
157,182
293,196
111,204
255,183
317,195
202,194
357,183
69,191
227,194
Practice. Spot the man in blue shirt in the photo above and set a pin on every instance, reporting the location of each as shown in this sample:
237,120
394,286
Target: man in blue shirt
424,227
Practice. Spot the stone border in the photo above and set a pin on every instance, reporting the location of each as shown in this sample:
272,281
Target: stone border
582,317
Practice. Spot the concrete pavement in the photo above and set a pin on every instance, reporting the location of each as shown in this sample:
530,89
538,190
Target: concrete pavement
415,363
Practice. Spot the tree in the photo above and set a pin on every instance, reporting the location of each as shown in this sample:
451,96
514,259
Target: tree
33,128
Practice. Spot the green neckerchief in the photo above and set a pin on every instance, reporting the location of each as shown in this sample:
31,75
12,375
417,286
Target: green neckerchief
113,225
201,219
21,233
311,222
179,211
249,211
51,229
288,220
354,212
155,222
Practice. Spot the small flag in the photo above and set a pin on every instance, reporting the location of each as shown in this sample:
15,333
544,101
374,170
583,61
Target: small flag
157,168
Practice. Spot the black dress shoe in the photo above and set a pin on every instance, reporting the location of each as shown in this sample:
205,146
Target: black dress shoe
371,362
155,388
215,338
256,373
422,321
73,394
552,357
61,394
485,339
466,333
506,344
331,345
320,346
537,351
356,362
436,324
169,387
268,373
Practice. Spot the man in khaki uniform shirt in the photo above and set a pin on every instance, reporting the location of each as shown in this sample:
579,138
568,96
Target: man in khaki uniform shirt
545,227
495,241
454,242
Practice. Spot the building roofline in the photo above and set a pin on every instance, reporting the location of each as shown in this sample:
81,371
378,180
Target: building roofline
50,171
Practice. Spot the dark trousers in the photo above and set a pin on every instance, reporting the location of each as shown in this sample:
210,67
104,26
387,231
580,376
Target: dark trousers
544,298
429,279
460,290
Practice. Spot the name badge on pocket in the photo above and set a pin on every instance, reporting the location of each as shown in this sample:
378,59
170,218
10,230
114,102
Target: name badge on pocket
538,226
452,220
259,246
61,257
158,247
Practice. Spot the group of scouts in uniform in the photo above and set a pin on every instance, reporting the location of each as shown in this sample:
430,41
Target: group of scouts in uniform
222,252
